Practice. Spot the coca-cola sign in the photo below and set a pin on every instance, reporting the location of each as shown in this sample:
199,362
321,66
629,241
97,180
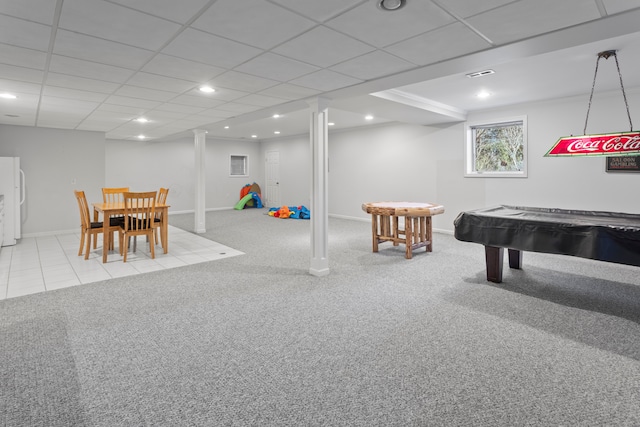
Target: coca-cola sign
613,144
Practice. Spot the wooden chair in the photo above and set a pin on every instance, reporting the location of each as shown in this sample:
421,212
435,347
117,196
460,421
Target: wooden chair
87,228
139,213
113,195
159,218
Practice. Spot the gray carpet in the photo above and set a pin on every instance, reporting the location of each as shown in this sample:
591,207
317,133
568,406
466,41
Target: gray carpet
254,340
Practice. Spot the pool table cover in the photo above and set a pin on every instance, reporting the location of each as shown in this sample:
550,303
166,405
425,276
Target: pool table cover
605,236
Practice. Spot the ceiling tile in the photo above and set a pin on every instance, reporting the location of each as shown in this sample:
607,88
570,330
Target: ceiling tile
82,95
444,43
32,10
323,47
289,91
121,109
260,100
224,94
617,6
177,11
237,108
55,120
97,50
242,82
180,68
325,80
154,81
109,21
18,32
380,28
145,93
203,47
88,69
73,107
10,72
466,8
276,67
373,65
264,24
180,108
17,87
132,102
505,24
74,82
319,10
197,101
22,57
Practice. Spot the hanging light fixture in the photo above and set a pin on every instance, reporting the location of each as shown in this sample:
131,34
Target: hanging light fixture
610,144
391,5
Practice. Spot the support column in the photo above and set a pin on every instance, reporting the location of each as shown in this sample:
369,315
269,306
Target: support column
319,187
199,208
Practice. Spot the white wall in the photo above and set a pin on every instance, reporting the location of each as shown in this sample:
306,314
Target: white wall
55,163
171,165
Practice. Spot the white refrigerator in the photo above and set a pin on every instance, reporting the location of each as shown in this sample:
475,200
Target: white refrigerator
12,187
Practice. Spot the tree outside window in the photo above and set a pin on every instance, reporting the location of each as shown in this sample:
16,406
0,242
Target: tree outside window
497,149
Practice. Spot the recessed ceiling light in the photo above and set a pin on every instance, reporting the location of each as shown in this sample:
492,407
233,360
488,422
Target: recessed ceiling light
7,96
226,127
390,5
275,116
483,94
141,137
277,132
330,124
207,89
141,120
254,136
368,117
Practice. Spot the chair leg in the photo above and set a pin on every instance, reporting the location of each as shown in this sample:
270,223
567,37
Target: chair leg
86,254
81,243
125,247
152,246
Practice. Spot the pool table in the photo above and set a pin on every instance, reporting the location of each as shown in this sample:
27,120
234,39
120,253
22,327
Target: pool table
604,236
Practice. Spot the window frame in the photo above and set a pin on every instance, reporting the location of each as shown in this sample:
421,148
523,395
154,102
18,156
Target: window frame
469,143
245,166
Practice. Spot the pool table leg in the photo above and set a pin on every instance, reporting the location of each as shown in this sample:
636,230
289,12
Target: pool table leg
515,258
493,257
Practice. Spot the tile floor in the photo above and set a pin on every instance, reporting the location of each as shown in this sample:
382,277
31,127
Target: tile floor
40,264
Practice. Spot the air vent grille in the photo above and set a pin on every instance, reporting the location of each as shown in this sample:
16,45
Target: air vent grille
480,73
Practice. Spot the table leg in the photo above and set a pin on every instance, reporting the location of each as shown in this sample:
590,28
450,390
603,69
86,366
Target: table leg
374,231
106,238
429,234
164,230
408,236
395,230
493,258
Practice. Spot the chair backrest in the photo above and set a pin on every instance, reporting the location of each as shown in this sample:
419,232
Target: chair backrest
113,194
85,218
139,209
162,199
162,196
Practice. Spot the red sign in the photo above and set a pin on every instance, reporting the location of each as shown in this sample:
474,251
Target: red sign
613,144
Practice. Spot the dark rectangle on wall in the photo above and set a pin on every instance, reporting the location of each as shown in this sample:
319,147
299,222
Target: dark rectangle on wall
623,164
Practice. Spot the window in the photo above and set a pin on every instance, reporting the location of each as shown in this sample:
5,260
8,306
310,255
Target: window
497,149
238,165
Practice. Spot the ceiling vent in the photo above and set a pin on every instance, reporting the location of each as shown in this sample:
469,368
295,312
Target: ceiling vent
480,73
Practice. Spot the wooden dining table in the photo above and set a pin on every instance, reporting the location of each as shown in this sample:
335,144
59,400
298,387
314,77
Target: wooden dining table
109,209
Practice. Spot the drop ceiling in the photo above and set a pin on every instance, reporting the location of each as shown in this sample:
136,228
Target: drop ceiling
98,65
